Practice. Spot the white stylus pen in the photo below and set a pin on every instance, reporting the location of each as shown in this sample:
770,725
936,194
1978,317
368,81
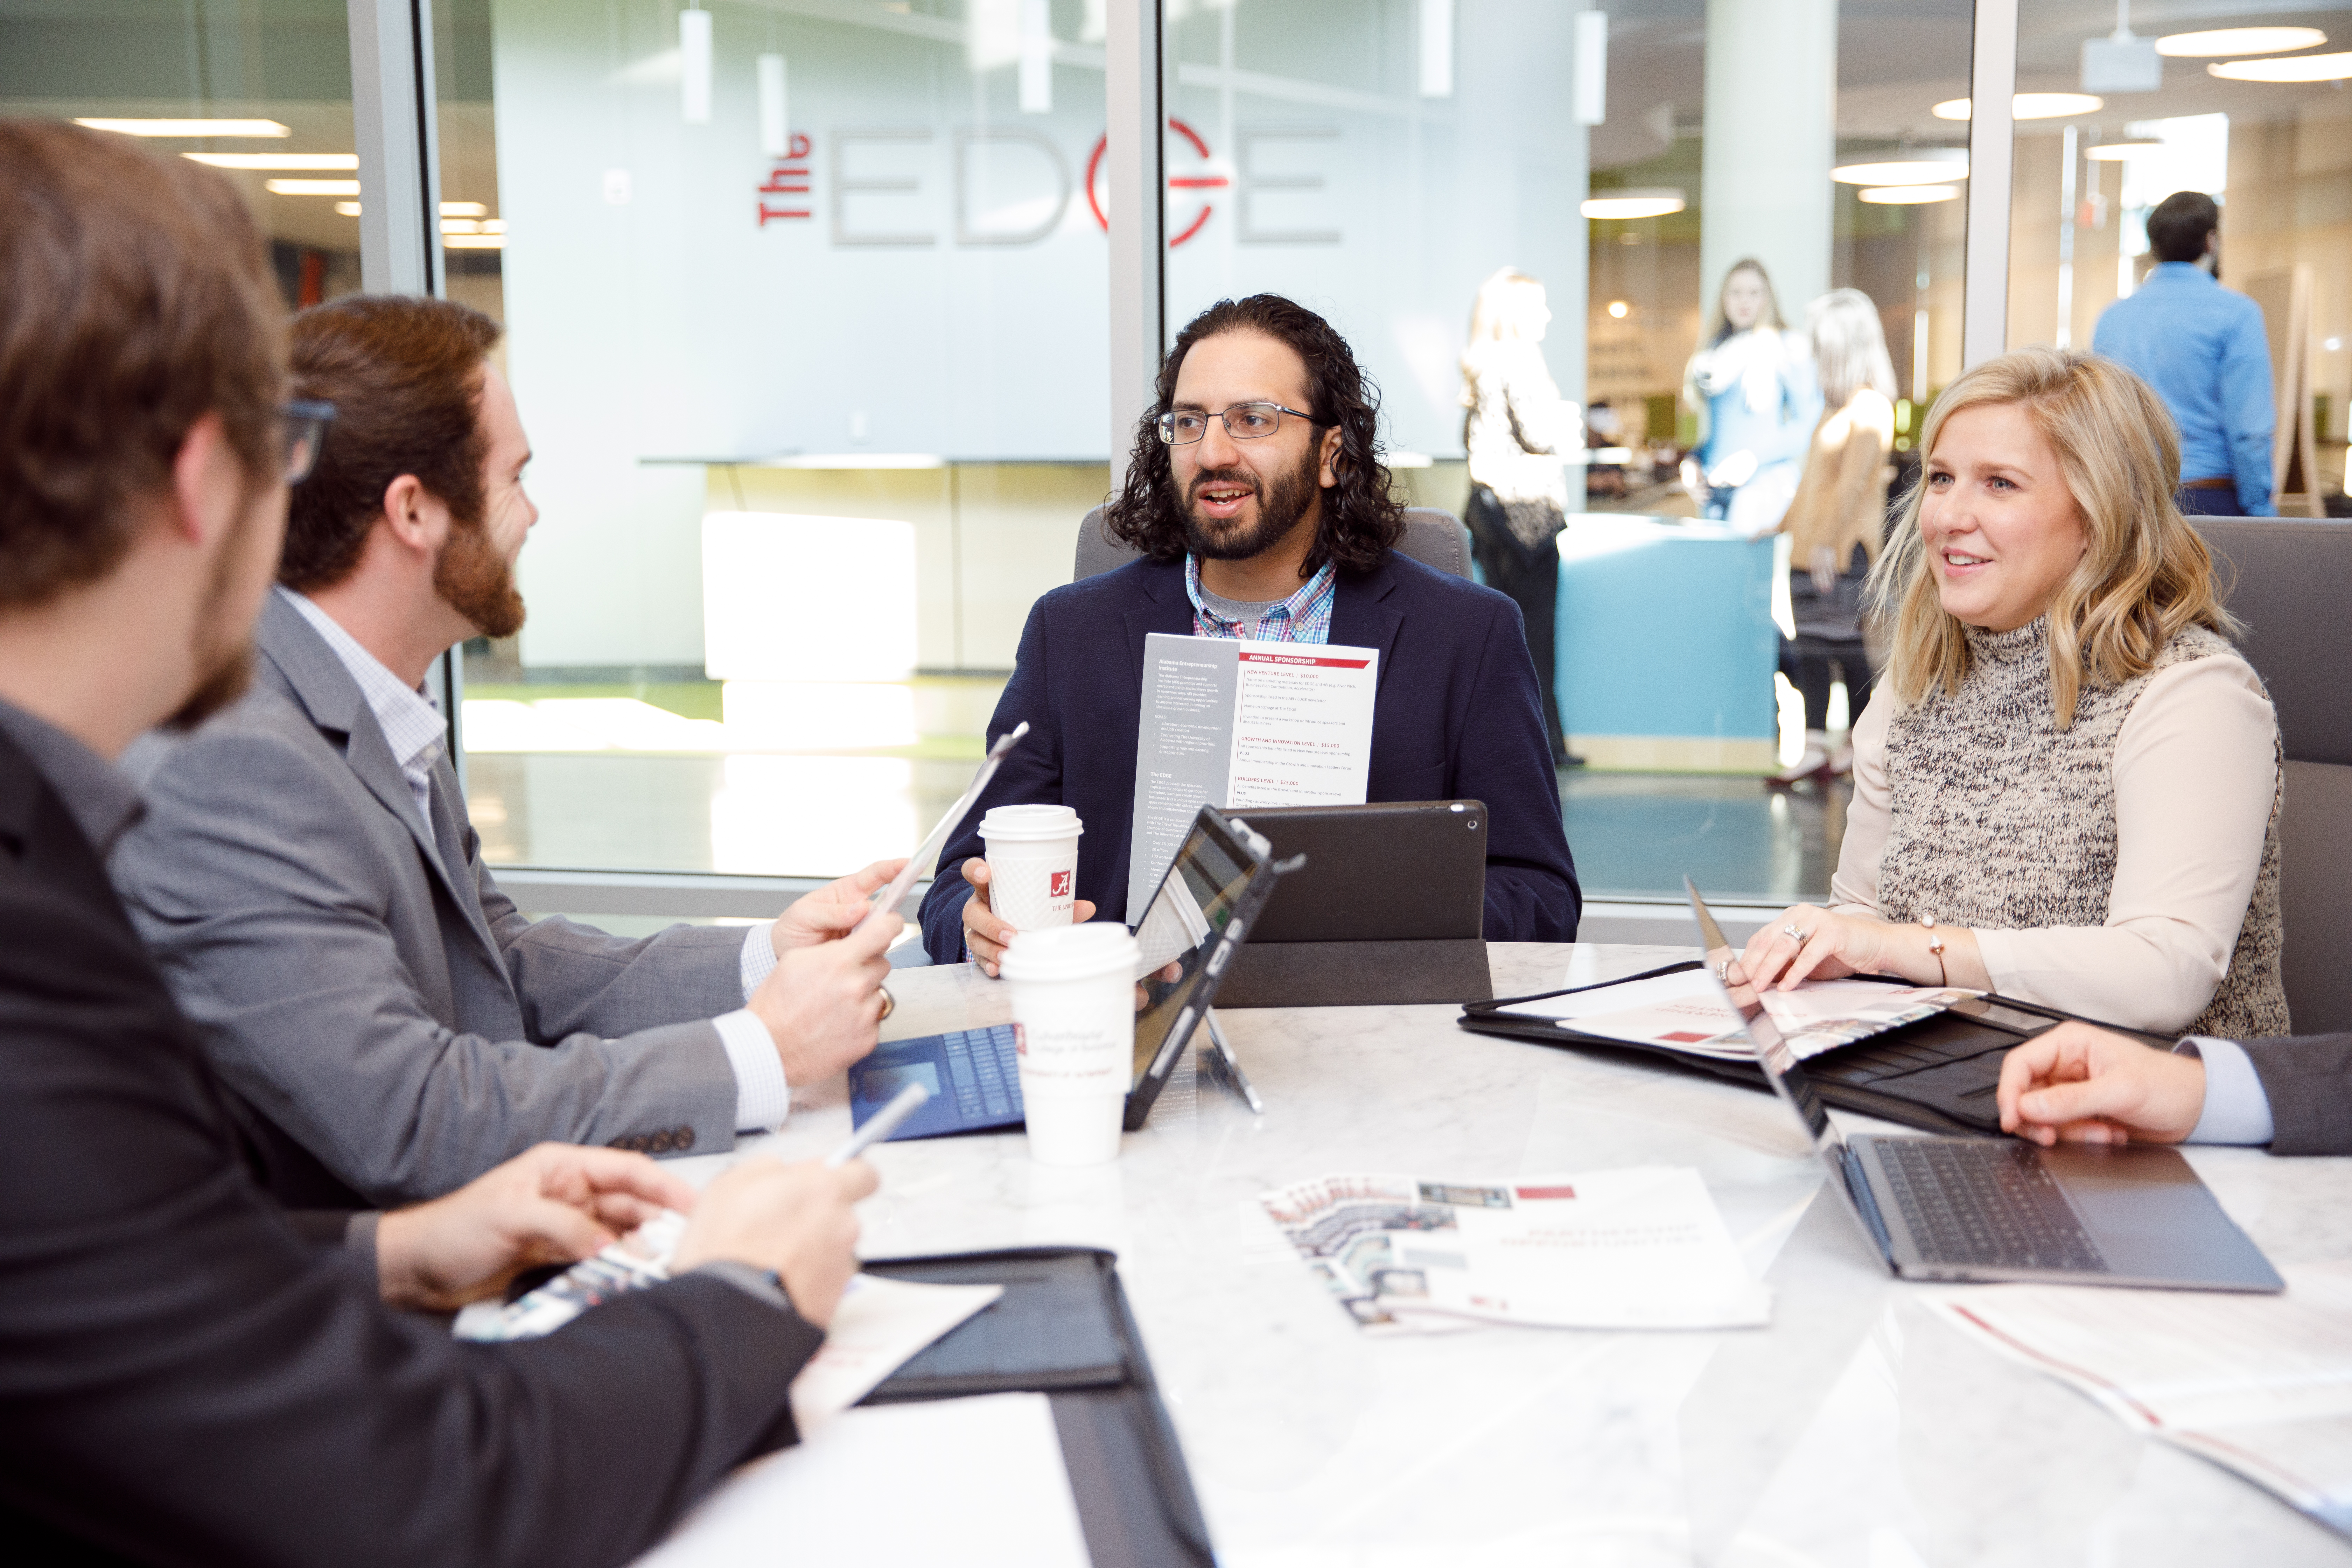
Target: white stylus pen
886,1120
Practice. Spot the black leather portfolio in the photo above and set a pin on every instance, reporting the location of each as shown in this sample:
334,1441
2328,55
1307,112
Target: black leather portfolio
1937,1074
1063,1329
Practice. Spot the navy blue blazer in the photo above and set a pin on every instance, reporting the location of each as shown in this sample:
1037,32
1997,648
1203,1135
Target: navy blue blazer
1456,718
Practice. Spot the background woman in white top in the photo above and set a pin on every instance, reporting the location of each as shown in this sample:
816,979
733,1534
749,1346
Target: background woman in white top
2066,787
1518,432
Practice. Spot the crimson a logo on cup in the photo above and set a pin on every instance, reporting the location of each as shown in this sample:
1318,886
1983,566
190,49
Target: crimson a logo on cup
1019,1041
1057,886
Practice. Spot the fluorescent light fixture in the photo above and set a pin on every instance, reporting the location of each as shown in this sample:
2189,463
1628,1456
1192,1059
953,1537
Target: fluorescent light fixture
775,116
694,66
190,127
2221,41
1436,49
1036,74
1907,195
1589,92
1632,204
474,242
2117,152
464,209
461,226
1925,170
494,225
2294,68
284,161
312,187
348,209
2029,106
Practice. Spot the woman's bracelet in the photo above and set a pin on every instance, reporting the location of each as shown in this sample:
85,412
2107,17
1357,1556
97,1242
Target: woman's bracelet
1936,946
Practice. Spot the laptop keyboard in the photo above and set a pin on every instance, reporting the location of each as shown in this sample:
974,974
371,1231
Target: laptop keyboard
1974,1201
985,1069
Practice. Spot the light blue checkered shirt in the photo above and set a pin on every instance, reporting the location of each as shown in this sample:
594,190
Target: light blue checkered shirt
1304,616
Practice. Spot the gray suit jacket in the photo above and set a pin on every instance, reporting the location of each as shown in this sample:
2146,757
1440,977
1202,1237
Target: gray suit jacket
360,979
2308,1079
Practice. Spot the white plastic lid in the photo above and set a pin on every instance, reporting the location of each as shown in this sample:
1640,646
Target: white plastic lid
1013,823
1072,953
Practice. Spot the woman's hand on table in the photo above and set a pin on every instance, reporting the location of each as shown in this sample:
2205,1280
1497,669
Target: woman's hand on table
1809,942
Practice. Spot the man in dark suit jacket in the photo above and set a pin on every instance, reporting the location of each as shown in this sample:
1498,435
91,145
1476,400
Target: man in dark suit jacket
2084,1084
189,1374
1257,497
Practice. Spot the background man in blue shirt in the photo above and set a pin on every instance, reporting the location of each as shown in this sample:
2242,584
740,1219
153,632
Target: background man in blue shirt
2203,350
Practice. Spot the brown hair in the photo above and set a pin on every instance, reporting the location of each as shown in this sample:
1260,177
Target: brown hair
135,298
2146,575
404,375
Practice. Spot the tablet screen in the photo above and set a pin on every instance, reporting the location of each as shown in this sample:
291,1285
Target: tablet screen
1194,905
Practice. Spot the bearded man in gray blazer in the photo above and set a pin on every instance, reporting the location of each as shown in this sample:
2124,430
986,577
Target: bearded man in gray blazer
308,879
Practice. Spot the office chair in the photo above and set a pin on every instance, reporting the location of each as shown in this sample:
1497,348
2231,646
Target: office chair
1431,537
2286,581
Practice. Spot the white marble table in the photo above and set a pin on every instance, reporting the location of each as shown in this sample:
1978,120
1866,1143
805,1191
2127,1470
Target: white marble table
1857,1430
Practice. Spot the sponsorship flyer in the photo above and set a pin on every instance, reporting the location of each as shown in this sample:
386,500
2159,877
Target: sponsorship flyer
1241,724
1686,1012
1637,1249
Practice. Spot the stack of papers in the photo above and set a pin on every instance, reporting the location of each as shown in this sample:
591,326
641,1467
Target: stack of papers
1686,1012
2259,1384
979,1482
1640,1248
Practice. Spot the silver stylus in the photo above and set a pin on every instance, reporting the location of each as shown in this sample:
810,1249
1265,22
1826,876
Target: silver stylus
1229,1066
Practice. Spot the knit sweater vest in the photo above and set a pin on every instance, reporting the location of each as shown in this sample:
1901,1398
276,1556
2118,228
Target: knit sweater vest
2002,820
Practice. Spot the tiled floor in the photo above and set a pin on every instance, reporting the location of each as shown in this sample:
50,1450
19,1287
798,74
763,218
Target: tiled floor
1635,835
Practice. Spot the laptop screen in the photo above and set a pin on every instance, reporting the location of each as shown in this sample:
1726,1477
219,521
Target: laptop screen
1194,907
1773,1052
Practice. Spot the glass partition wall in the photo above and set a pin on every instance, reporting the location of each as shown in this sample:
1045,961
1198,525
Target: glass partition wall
809,305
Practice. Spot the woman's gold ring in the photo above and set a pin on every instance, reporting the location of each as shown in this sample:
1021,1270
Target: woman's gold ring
889,1004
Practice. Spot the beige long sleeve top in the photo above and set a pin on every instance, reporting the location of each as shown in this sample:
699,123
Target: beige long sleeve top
2195,774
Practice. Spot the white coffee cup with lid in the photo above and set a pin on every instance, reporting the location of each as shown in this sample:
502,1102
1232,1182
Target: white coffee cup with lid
1073,992
1033,864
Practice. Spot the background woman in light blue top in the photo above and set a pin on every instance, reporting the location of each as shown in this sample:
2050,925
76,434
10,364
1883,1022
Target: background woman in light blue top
1754,388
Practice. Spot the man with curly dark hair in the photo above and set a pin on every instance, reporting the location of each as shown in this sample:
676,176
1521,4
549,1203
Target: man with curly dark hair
1257,499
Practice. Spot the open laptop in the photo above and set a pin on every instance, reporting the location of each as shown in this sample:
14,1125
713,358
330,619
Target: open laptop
1987,1208
1212,893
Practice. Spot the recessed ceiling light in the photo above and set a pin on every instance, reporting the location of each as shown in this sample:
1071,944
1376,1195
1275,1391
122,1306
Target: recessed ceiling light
2117,152
312,187
474,241
464,209
1618,309
190,127
348,209
1908,196
276,160
2238,41
2029,106
1632,204
2294,68
1926,170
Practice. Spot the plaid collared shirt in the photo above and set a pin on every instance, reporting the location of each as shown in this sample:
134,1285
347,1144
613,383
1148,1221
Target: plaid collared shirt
1304,616
412,726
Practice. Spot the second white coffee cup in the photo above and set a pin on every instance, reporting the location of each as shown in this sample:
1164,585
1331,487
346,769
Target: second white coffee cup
1033,864
1074,1006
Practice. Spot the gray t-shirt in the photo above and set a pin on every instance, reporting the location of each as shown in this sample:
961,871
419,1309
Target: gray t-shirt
1243,612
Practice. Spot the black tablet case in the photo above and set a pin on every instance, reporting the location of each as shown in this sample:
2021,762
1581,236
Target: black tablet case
1063,1329
1937,1074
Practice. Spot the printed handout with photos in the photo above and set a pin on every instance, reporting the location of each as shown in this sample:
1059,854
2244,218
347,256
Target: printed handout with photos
1637,1249
1686,1012
1237,724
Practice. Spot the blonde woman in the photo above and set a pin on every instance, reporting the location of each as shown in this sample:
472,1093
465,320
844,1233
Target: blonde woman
1752,385
2066,788
1838,519
1517,433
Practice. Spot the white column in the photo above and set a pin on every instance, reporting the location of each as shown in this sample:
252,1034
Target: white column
1992,153
1772,138
399,174
1136,203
